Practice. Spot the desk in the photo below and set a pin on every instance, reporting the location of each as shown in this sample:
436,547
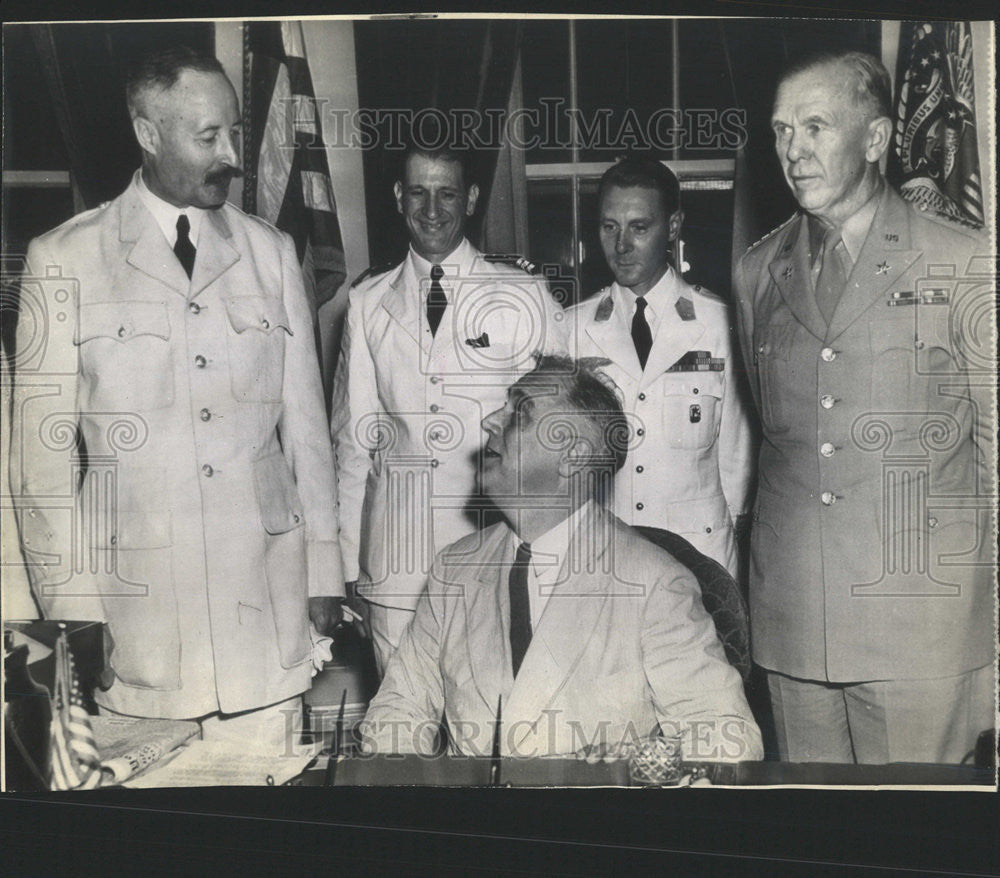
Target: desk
454,771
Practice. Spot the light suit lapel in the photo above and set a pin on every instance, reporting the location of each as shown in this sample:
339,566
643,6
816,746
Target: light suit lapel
215,254
885,256
790,271
674,338
487,621
405,307
150,252
564,631
604,329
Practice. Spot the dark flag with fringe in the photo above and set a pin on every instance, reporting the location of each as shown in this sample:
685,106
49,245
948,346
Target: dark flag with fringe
287,178
934,161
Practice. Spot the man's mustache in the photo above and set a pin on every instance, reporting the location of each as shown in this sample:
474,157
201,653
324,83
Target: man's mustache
223,176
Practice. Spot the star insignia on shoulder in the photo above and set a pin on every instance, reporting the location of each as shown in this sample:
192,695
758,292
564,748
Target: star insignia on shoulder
787,273
882,267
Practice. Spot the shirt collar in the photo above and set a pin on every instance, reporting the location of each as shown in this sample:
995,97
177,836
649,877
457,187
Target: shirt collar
853,230
554,544
456,263
166,213
662,296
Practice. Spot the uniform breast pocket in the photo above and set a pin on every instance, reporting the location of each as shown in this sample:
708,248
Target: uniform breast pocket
908,351
256,339
125,356
691,410
772,351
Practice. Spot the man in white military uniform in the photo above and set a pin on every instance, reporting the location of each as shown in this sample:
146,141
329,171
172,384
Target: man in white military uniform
429,349
690,463
152,487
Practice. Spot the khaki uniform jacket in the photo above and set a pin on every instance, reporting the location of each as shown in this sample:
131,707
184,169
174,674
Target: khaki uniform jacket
624,644
408,406
872,538
691,468
198,512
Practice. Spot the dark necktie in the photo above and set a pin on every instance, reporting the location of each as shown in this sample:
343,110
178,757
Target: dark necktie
520,607
833,273
436,299
184,249
642,338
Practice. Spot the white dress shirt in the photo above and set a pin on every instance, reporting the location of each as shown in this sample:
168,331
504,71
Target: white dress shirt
166,213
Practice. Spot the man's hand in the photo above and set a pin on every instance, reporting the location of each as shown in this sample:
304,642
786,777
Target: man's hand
357,607
325,613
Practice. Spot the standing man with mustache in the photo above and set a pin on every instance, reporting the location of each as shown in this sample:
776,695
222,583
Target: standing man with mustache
171,469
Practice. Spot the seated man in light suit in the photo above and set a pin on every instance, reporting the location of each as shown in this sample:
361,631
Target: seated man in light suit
670,353
591,635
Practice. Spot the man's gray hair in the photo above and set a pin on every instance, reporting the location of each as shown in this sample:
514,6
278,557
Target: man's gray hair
160,70
872,86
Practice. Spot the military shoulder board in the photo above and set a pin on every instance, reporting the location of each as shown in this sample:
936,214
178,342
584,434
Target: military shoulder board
513,260
773,232
371,271
699,361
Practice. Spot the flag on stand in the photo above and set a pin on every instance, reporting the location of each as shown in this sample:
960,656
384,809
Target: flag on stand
287,179
935,160
75,762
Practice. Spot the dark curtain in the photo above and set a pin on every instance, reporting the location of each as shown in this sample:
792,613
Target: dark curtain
84,69
408,66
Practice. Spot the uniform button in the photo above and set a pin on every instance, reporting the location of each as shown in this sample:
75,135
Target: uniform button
194,307
114,539
642,396
827,401
639,468
435,407
435,436
206,415
828,355
919,344
827,449
639,506
296,519
708,530
121,332
828,498
640,432
434,379
435,462
932,522
695,390
207,470
200,361
265,324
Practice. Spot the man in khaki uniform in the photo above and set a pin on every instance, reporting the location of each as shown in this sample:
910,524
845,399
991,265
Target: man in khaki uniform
872,358
170,464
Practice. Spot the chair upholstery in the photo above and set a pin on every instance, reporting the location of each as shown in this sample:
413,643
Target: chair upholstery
719,593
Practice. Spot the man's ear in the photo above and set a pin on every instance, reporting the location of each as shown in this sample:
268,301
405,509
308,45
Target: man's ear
674,224
879,132
576,457
470,206
147,135
398,192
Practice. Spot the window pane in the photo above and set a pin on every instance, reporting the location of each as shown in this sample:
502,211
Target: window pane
550,230
545,79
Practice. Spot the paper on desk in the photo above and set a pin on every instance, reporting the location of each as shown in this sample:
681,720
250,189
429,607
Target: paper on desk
219,763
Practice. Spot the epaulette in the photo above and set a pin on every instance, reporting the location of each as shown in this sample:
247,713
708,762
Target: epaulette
372,271
773,232
513,260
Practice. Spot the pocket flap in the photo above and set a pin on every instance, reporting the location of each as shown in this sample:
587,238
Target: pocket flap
263,313
277,496
122,321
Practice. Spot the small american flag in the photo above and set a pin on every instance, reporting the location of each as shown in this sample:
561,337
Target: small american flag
76,764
